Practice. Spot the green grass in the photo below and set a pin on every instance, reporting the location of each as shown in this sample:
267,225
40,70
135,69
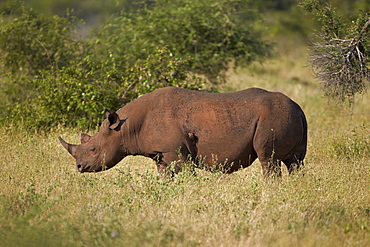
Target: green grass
44,201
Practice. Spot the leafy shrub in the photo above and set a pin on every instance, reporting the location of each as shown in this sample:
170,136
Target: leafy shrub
213,33
158,70
165,43
31,42
33,46
76,96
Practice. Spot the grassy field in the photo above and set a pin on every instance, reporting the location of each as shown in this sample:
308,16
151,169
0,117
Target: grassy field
44,201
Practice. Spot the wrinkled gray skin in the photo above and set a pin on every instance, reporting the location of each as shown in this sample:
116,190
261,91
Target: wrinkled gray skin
223,132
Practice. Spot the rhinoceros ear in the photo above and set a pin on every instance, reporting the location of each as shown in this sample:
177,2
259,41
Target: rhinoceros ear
84,138
113,119
106,113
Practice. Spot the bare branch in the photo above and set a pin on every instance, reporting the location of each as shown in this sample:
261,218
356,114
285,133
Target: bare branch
341,64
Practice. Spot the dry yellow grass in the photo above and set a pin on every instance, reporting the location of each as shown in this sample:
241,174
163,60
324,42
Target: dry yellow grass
45,202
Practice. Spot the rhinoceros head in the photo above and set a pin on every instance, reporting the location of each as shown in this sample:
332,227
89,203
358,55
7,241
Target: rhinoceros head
101,151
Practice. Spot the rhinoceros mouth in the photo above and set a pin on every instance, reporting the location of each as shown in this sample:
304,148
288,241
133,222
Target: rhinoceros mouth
80,168
89,168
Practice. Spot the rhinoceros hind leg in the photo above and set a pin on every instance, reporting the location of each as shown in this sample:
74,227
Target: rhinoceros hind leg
293,164
270,167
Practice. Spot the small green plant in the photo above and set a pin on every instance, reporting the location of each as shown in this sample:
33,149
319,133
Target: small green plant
355,144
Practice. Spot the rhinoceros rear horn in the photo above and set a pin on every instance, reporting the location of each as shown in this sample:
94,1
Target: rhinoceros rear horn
70,147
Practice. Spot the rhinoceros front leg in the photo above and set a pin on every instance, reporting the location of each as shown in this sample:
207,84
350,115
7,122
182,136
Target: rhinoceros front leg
168,164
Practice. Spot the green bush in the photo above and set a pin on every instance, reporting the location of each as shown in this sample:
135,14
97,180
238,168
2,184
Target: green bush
76,96
213,33
31,43
72,98
158,70
70,82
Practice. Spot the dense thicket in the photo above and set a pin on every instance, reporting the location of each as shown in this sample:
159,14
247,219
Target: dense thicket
63,67
70,81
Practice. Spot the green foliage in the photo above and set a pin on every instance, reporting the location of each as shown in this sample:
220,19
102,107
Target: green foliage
331,22
212,33
65,83
33,45
31,42
76,96
158,70
340,55
166,43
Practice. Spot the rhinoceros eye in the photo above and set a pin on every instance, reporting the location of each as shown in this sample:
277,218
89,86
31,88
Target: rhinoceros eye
93,150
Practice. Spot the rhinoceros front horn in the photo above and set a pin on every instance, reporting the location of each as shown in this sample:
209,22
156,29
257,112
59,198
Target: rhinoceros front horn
70,147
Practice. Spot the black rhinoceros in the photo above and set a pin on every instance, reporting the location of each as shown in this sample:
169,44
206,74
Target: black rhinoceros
220,131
